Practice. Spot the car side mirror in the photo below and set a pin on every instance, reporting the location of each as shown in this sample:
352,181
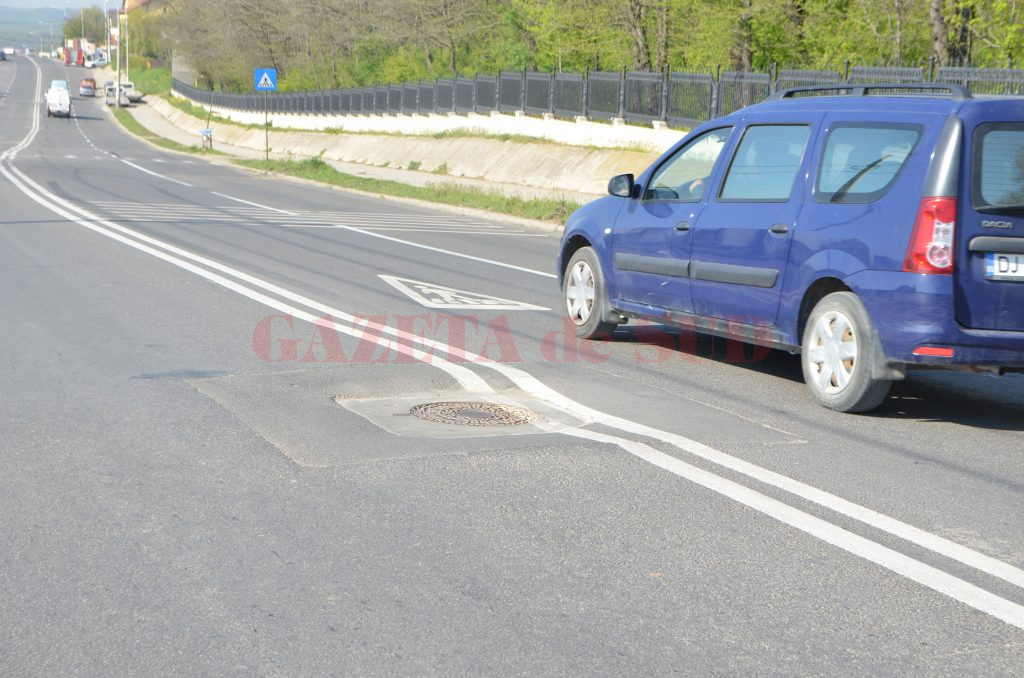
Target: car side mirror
622,185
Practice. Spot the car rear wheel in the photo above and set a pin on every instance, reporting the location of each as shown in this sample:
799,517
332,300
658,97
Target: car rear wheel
839,351
585,295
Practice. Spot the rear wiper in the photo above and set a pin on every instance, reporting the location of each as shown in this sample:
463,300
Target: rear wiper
999,209
845,188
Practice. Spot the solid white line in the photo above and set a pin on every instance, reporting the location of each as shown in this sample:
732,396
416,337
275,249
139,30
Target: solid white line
411,229
529,384
912,569
951,586
34,129
950,549
465,377
448,252
254,204
947,584
155,174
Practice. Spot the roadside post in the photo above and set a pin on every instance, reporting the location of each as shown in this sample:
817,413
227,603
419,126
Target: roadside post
265,80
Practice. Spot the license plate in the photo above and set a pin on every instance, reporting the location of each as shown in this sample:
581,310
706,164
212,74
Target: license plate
1004,266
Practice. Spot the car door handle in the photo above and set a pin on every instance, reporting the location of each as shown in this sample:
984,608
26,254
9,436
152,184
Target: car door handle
779,228
683,226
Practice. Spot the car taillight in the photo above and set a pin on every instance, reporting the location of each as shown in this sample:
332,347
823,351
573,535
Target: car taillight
931,245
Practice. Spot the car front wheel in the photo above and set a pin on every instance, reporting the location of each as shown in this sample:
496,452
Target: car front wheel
839,350
585,295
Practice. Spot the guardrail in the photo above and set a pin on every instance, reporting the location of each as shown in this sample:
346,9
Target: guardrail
676,99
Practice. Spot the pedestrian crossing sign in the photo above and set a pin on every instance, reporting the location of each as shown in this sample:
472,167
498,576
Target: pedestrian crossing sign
265,79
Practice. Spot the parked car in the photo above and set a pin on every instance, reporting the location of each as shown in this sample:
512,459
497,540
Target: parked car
58,99
872,229
110,95
87,88
134,95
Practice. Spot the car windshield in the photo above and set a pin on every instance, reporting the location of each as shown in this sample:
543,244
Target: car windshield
59,84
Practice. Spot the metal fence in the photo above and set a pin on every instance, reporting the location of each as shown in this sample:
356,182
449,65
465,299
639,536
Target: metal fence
860,75
736,90
679,99
604,95
984,80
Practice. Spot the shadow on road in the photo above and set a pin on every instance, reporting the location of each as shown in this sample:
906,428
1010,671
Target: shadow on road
976,400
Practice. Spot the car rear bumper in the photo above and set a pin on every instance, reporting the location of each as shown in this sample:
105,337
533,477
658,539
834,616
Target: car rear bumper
914,317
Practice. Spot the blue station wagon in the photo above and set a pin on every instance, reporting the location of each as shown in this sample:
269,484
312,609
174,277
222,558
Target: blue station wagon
872,229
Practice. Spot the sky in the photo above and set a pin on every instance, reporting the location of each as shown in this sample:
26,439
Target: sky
28,22
58,4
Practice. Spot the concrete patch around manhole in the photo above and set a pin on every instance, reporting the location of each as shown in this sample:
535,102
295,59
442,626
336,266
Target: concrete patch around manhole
468,416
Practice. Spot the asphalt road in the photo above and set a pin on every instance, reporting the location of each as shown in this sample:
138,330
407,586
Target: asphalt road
197,476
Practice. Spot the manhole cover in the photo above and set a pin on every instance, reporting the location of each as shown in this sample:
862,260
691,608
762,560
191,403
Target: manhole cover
473,414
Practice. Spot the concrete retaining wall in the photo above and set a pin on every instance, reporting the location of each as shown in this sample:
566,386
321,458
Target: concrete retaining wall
536,164
582,132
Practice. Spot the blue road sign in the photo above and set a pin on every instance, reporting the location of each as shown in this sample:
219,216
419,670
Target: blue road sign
264,79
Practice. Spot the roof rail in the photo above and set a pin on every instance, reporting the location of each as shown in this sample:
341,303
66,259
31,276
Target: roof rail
954,91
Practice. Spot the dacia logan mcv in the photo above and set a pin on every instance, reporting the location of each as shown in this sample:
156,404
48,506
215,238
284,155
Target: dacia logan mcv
872,229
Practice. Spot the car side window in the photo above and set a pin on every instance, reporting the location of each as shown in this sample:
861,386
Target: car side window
684,175
766,163
860,162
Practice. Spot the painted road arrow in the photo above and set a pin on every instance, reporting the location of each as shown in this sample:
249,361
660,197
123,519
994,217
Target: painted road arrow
439,296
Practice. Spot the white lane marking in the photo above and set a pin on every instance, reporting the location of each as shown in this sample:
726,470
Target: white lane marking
468,379
155,174
979,561
941,582
441,296
12,152
903,565
409,229
448,252
254,204
534,387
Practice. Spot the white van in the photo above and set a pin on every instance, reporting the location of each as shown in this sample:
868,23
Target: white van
58,99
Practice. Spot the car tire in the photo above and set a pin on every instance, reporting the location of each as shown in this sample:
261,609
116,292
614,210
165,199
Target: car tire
585,295
839,351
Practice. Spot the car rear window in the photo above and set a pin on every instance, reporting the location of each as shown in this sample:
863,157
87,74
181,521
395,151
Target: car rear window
999,165
860,162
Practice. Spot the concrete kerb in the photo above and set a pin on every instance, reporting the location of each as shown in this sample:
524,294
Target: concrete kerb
537,224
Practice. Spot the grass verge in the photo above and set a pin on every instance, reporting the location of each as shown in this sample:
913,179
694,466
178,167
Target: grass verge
133,126
151,80
318,170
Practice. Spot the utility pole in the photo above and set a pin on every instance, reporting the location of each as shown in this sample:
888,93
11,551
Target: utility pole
127,47
106,25
120,34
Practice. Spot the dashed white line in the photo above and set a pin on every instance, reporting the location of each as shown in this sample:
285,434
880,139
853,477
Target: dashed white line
452,253
155,174
922,573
